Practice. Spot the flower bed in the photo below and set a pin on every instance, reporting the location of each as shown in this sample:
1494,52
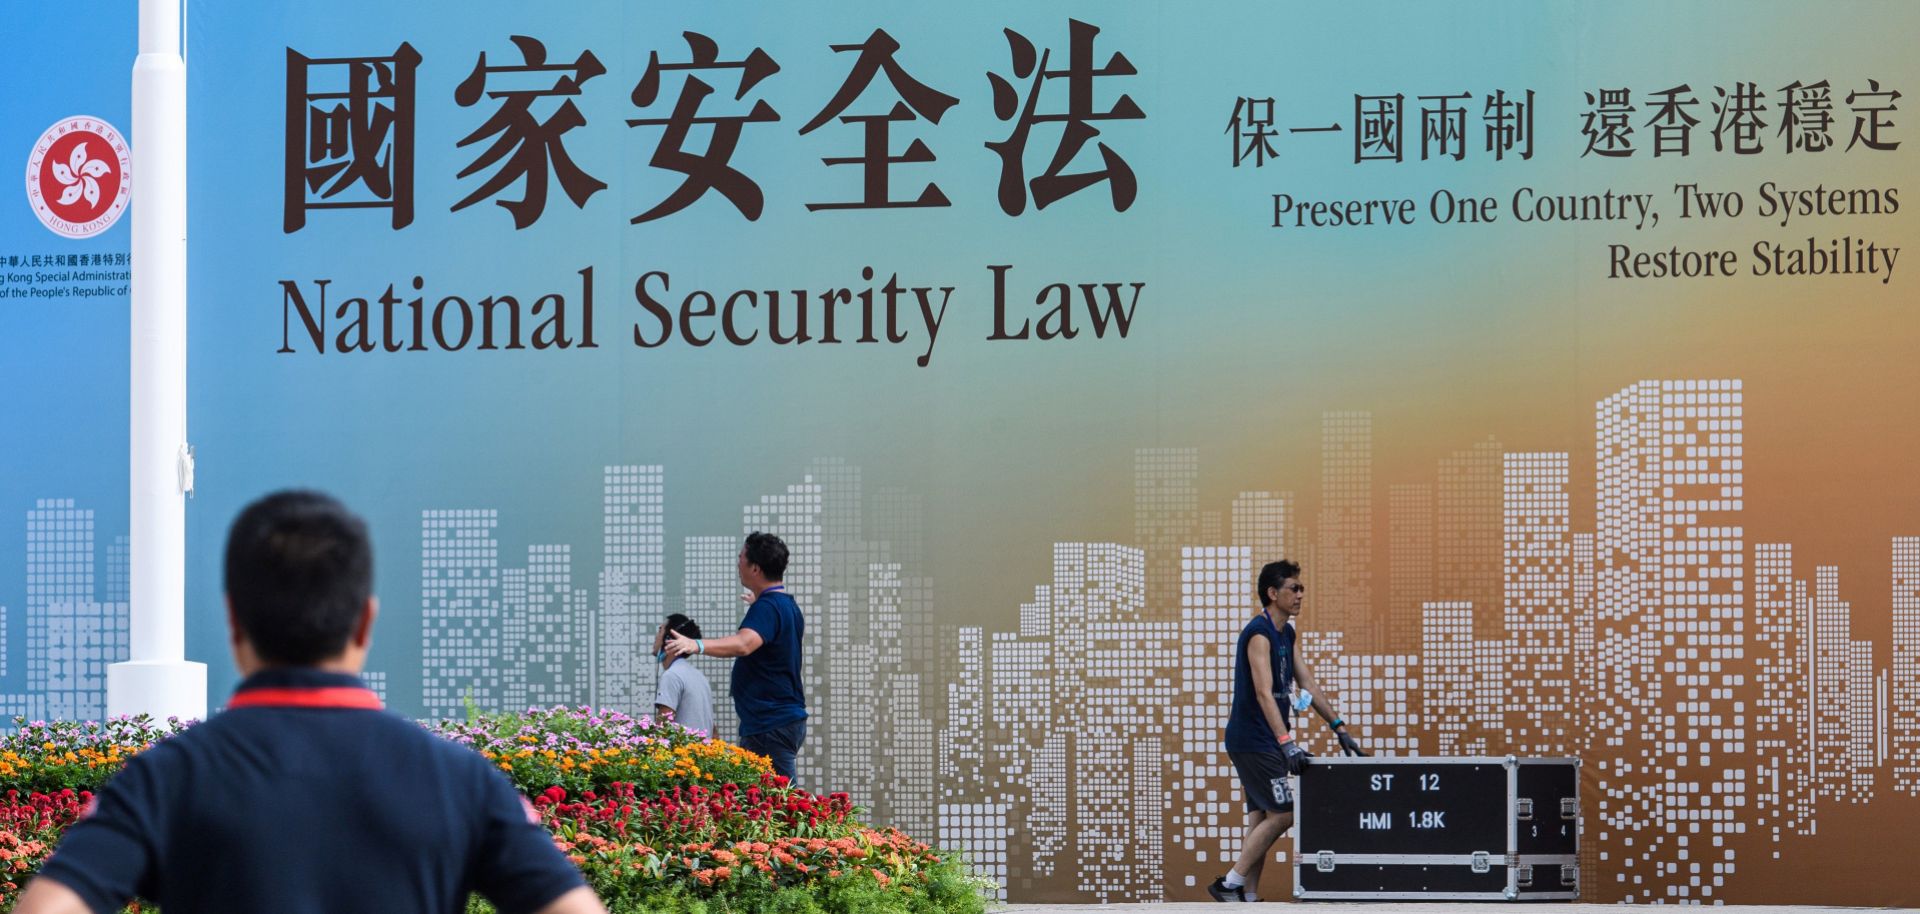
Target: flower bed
579,749
29,828
49,772
45,757
763,848
658,818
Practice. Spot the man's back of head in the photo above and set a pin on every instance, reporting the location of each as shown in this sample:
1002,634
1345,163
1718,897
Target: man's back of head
299,574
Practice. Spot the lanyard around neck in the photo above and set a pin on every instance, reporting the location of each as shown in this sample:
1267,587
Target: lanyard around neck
326,697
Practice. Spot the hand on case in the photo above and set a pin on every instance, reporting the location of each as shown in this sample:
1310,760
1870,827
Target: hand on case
1293,756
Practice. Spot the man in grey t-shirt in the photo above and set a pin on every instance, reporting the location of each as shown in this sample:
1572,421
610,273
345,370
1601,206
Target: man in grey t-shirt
684,694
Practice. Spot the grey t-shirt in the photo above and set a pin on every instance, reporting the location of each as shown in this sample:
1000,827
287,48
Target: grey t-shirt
684,689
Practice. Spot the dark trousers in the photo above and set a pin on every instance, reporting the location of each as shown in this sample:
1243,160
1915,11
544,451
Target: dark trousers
780,745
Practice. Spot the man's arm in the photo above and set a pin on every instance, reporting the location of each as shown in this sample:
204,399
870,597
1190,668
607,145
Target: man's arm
738,644
1257,659
1304,674
515,863
45,896
1291,753
579,901
105,858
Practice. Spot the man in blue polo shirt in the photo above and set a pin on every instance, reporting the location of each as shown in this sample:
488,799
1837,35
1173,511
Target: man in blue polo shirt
304,796
766,675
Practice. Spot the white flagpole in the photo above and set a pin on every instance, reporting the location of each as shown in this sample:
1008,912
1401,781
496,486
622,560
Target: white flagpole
157,679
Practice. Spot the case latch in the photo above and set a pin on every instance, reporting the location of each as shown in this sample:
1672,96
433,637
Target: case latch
1323,861
1481,862
1523,808
1569,874
1569,807
1523,876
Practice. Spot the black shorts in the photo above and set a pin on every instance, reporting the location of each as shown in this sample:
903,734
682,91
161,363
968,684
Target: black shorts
1263,778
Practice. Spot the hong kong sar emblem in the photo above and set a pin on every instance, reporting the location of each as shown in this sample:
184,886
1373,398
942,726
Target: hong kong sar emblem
79,176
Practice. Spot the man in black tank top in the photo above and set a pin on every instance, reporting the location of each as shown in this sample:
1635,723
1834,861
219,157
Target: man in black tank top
1259,737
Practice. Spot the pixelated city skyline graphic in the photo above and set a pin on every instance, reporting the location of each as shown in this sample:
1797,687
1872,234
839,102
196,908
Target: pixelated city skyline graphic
1079,755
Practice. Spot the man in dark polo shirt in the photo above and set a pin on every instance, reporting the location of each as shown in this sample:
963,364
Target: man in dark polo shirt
304,796
766,675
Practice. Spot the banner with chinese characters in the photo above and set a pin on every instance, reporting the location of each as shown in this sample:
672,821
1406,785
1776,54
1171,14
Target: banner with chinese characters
1570,348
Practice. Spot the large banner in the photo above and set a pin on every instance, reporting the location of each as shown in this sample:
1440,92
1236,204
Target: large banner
65,127
1568,347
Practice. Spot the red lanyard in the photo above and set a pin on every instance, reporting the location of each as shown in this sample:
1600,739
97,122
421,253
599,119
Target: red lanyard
328,697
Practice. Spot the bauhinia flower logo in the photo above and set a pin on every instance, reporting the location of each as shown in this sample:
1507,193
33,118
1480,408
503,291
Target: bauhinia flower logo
79,177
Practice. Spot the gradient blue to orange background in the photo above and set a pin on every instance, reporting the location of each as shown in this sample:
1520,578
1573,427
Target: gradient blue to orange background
1244,334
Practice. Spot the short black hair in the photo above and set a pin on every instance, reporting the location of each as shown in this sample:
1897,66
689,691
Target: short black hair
768,552
679,624
1271,575
299,572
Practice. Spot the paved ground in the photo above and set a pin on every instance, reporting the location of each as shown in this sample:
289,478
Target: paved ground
1398,907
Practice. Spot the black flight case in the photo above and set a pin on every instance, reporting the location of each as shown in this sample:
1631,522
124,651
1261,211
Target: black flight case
1437,829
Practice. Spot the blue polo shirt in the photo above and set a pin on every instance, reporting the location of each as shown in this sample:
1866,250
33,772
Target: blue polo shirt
303,797
766,683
